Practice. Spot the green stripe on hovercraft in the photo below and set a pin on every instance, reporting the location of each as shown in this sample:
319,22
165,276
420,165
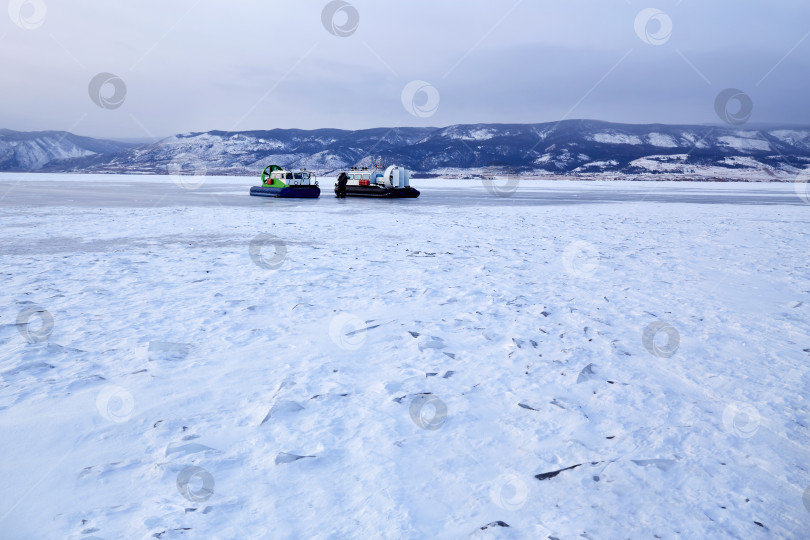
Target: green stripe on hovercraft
273,182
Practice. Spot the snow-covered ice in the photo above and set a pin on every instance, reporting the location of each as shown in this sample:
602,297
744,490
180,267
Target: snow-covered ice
595,360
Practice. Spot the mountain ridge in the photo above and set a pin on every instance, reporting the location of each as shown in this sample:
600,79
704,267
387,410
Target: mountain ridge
569,147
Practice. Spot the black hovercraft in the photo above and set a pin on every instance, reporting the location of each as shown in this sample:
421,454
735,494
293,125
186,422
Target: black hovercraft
387,182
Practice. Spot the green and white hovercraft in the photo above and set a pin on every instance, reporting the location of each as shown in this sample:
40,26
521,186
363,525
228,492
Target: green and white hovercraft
281,183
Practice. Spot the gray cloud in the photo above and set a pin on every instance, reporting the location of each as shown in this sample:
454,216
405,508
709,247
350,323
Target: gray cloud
199,65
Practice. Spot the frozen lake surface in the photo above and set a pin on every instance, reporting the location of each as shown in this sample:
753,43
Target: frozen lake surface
596,360
150,191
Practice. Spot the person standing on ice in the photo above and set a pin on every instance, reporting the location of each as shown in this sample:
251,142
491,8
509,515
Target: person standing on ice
343,179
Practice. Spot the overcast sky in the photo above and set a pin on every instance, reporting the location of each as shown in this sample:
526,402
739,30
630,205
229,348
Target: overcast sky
199,65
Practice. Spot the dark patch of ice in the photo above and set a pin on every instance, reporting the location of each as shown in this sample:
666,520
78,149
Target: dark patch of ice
498,523
367,328
160,534
557,403
401,398
552,474
316,396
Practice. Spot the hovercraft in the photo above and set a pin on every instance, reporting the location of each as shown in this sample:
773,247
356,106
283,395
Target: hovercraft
281,183
391,182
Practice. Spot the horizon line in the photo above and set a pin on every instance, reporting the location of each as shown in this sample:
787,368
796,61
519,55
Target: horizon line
435,128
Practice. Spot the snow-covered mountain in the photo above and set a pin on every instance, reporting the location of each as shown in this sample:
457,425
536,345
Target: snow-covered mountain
21,151
581,147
